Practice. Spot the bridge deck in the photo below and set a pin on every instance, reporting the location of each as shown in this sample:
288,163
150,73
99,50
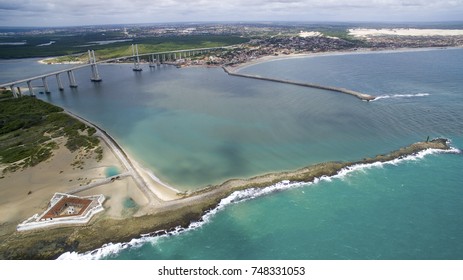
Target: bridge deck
103,61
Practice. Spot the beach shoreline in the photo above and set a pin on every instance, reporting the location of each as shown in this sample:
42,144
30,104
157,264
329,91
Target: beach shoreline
359,51
166,215
28,191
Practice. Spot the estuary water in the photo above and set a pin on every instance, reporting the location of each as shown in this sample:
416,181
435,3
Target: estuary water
199,126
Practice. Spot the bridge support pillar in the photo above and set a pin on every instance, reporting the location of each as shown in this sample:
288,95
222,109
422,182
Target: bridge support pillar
136,58
13,90
31,90
58,81
45,85
72,79
152,63
95,75
158,62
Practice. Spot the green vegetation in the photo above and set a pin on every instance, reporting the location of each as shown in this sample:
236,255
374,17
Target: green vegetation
30,127
65,43
151,45
5,94
69,45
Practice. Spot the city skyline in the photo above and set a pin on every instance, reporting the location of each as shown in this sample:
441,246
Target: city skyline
50,13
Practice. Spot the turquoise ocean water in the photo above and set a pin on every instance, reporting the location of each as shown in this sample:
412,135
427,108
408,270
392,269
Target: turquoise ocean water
198,126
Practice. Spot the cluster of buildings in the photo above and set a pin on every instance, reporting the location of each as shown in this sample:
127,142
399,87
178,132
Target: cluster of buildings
284,45
413,41
272,46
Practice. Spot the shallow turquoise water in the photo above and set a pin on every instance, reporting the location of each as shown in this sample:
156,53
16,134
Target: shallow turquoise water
112,171
198,126
375,214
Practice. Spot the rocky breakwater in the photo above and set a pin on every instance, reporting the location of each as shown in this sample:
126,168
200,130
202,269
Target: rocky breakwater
361,96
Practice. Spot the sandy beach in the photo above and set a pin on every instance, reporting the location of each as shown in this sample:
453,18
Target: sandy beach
122,224
26,192
264,59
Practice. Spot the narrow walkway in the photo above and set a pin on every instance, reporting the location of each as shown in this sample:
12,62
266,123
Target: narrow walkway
362,96
98,183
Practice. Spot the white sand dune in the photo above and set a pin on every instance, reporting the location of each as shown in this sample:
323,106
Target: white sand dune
365,32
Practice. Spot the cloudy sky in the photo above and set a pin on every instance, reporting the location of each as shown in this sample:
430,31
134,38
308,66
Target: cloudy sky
90,12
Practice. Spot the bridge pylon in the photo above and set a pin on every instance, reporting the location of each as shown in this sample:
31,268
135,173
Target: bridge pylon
136,58
92,60
13,90
58,81
31,90
45,85
72,79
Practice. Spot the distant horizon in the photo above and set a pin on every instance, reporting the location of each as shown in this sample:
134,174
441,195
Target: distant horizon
263,22
58,13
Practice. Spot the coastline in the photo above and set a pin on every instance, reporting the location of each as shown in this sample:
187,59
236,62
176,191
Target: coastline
269,58
153,190
169,215
28,191
199,202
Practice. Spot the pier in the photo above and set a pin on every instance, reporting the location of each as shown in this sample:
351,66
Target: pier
362,96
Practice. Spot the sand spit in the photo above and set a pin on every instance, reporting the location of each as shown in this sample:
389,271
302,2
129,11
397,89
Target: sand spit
166,215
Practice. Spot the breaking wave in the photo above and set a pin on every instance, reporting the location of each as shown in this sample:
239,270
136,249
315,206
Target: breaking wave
236,197
388,96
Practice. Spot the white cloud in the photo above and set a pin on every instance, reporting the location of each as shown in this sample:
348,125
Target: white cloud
81,12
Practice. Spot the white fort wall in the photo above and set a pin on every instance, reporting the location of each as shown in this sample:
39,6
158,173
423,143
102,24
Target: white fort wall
36,221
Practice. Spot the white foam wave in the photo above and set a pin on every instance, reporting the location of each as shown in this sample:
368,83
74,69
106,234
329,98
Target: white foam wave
420,155
388,96
237,196
240,196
